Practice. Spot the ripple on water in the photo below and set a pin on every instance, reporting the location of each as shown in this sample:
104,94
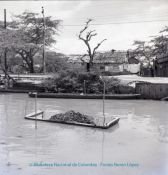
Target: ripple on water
163,133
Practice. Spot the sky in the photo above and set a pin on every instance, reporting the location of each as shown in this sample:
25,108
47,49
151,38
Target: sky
119,21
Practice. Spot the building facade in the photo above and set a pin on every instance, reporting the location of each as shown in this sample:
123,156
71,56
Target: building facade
114,62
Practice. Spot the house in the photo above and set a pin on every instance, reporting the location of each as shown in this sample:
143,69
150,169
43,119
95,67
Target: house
114,62
110,61
132,65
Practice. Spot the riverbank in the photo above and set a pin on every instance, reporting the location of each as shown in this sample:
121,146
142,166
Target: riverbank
154,88
14,91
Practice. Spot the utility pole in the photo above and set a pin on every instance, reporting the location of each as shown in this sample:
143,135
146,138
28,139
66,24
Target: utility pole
5,18
44,61
5,51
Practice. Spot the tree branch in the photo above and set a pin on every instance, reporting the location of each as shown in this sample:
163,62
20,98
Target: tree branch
86,27
81,58
90,34
98,45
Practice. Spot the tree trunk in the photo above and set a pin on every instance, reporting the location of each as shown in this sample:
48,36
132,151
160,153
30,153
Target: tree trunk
5,62
88,67
90,64
31,67
31,62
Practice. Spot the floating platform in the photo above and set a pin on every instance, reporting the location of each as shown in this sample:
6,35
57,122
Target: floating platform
85,96
35,116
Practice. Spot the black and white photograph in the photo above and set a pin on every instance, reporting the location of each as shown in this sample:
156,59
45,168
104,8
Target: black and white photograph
84,87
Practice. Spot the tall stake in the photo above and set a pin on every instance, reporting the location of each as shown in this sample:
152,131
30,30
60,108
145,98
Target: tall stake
84,87
104,89
44,61
35,110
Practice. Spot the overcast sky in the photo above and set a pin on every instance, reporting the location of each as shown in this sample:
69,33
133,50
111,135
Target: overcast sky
119,21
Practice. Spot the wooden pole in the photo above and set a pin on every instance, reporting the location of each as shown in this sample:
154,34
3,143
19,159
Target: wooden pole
44,59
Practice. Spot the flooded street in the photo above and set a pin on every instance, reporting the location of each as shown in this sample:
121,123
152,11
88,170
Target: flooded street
140,138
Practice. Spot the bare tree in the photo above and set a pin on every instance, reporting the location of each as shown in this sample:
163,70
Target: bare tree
86,39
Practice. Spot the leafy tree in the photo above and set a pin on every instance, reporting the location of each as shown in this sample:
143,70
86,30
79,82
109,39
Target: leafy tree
160,44
56,62
6,42
143,52
26,34
86,37
157,46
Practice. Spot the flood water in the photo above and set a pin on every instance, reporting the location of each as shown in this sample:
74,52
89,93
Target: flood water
140,138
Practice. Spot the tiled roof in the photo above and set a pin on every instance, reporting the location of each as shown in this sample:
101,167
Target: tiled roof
111,57
102,57
76,58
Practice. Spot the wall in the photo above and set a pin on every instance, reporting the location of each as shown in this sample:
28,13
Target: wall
132,68
146,72
118,67
152,91
114,68
161,69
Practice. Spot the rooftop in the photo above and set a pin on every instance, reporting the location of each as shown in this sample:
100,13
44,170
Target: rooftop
102,57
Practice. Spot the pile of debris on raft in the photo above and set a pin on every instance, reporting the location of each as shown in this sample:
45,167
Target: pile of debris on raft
72,116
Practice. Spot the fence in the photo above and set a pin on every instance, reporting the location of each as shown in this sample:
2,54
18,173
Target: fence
154,91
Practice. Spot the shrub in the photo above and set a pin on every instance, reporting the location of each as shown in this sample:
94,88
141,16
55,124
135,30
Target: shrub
73,82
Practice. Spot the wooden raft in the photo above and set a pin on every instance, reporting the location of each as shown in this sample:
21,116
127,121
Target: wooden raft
35,116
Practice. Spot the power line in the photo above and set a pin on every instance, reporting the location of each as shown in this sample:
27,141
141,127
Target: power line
147,14
135,17
110,23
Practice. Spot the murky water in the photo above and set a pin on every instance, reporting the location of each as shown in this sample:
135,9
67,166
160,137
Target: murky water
140,138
